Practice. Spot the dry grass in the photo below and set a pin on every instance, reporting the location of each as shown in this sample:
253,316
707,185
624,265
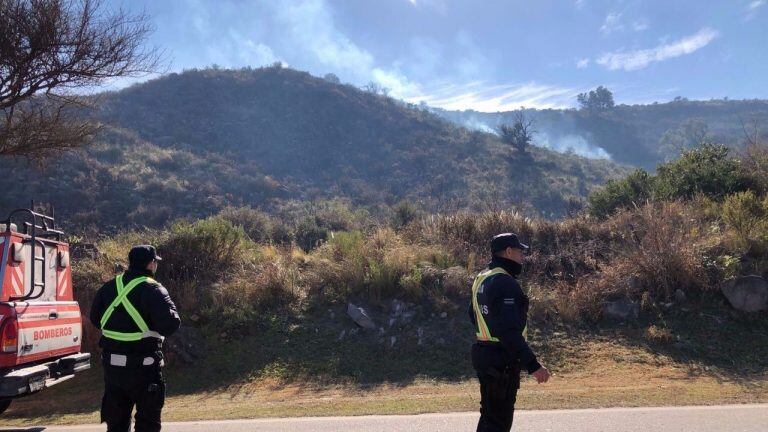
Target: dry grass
600,374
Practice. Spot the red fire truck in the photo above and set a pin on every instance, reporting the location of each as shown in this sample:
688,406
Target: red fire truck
40,323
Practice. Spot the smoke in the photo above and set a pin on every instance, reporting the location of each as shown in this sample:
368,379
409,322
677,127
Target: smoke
561,140
575,144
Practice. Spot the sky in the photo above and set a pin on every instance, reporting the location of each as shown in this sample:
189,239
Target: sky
486,55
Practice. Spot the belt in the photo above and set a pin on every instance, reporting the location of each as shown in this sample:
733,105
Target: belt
132,360
488,343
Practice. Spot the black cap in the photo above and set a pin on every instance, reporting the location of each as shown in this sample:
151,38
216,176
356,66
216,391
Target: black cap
507,240
142,255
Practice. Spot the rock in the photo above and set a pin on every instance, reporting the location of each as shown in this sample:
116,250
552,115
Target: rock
634,284
341,335
360,317
680,295
747,293
622,309
456,280
392,341
186,345
445,314
194,318
81,251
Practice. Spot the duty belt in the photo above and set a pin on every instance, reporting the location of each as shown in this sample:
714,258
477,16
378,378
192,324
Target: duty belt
132,360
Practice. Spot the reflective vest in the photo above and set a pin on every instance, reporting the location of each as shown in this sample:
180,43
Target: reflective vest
483,332
122,299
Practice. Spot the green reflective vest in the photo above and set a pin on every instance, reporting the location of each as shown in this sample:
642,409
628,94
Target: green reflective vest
122,299
483,332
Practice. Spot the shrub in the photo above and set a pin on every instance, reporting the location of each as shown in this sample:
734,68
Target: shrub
404,213
658,335
257,225
706,170
309,234
197,255
633,190
744,212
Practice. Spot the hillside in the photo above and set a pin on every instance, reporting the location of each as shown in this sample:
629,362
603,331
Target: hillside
190,144
630,134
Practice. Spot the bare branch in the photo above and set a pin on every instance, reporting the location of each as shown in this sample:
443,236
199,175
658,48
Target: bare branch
48,50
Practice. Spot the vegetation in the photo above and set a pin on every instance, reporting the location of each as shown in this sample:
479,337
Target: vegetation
192,144
599,99
519,135
707,171
640,135
48,48
232,270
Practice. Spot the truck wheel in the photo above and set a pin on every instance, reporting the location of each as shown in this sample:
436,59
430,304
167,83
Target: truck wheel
4,404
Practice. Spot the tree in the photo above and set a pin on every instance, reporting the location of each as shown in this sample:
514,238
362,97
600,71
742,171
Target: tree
376,88
332,78
600,99
692,133
520,134
49,49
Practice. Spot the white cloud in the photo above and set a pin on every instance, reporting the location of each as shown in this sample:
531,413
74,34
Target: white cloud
639,59
640,25
579,4
612,23
753,7
582,63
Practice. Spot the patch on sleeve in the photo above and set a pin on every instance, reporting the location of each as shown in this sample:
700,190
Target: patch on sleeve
509,301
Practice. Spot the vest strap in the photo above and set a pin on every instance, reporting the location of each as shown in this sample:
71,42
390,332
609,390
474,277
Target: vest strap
121,299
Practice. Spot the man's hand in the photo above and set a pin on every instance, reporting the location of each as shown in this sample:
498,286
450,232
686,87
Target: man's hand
542,375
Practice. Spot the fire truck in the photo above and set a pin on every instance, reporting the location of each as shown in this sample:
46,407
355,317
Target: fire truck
40,323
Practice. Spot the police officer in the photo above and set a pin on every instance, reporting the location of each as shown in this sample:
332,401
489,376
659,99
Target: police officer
135,313
499,312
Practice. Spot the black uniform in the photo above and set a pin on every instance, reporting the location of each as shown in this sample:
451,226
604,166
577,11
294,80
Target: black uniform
498,364
134,383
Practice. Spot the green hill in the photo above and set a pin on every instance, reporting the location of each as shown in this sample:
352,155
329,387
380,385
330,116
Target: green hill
631,134
189,144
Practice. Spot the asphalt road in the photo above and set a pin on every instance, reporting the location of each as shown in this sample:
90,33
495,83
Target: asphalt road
730,418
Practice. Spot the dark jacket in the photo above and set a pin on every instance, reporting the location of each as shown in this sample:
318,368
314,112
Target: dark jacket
151,300
507,313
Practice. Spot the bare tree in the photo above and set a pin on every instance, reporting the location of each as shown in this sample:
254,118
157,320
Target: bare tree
50,50
520,134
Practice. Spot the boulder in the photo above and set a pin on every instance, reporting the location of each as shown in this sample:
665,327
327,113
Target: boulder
80,251
680,296
622,309
360,317
186,345
747,293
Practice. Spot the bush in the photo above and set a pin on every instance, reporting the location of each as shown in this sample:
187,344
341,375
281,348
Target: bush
257,225
744,212
196,255
633,190
706,170
404,213
309,234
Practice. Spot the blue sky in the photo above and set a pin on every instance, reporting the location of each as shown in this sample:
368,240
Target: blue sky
483,54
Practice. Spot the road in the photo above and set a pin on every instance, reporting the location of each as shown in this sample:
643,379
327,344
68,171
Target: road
731,418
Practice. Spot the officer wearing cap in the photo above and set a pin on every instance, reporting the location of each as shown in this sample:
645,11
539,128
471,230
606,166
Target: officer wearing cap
499,313
135,313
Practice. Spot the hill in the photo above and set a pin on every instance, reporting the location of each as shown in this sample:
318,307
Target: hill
190,144
631,134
